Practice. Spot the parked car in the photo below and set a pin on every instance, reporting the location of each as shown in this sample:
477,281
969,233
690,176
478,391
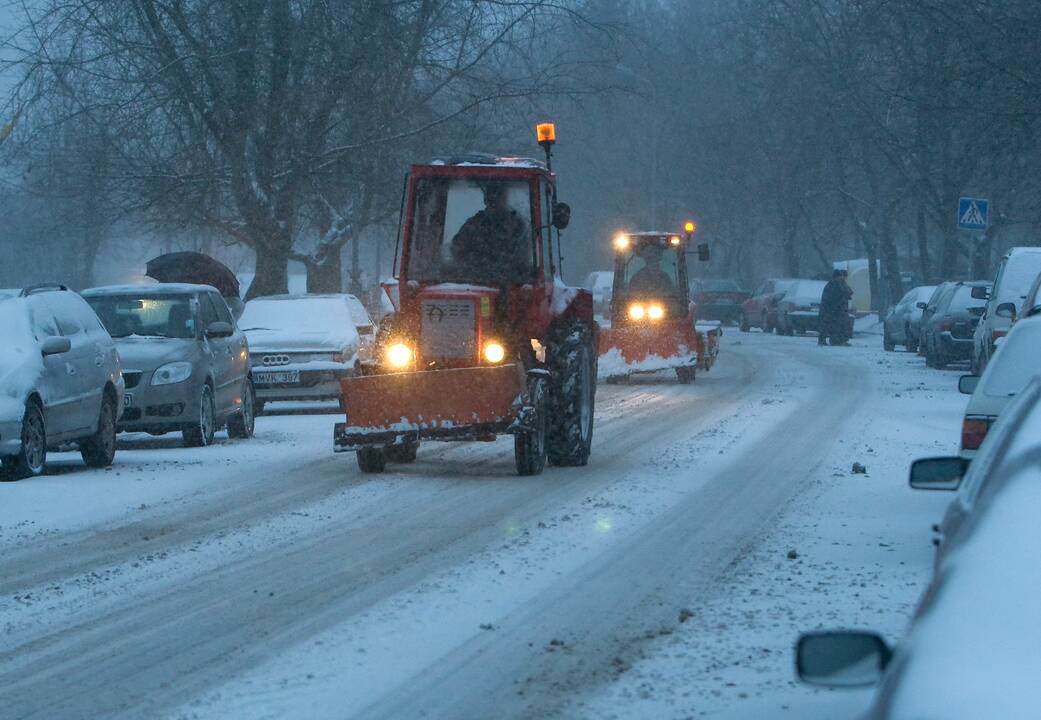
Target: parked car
902,325
718,299
600,283
798,310
60,380
1016,273
1032,302
1017,360
301,346
366,328
760,310
185,363
978,619
947,333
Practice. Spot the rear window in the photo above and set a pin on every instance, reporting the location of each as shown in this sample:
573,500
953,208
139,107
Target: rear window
963,300
807,290
1017,276
1015,363
295,314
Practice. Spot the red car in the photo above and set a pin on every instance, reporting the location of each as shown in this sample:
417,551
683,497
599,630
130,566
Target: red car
760,310
718,299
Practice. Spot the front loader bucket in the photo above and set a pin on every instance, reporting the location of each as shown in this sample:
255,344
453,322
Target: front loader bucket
646,348
454,404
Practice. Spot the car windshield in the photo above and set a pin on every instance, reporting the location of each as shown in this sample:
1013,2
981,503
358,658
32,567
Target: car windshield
148,316
1016,361
651,268
807,291
291,314
472,231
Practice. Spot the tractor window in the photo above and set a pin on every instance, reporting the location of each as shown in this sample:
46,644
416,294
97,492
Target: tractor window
651,269
472,231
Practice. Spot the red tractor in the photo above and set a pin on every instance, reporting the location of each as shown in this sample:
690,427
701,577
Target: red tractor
653,321
486,339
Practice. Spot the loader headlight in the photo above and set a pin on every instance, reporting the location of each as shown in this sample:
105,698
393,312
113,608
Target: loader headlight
621,242
398,355
637,311
655,312
494,352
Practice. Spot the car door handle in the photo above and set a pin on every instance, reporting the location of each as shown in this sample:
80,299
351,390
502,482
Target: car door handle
70,369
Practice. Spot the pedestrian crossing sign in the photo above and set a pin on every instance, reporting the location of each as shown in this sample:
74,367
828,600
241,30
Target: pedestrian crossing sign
972,213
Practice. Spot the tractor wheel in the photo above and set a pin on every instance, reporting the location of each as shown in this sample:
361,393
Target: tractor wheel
743,323
372,460
572,394
529,448
402,453
685,375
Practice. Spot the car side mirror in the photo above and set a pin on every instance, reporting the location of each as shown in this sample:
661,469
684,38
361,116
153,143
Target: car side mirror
977,311
1006,310
841,659
938,473
219,329
703,253
55,345
981,292
561,215
967,384
921,305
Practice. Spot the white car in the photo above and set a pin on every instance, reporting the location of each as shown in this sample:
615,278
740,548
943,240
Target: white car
1018,358
60,380
600,283
366,328
972,648
1018,269
300,346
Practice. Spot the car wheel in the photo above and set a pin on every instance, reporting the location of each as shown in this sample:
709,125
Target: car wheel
242,424
200,432
887,343
909,341
258,407
99,450
764,325
372,460
743,323
32,458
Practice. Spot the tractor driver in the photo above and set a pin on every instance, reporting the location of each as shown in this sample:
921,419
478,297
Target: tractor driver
494,245
651,279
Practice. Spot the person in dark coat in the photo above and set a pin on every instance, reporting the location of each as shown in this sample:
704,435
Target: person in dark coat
494,245
834,312
651,280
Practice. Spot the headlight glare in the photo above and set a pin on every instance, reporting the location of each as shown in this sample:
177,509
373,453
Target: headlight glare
172,373
636,311
655,312
494,352
398,355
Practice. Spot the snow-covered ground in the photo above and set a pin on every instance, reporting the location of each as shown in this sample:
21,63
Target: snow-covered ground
269,579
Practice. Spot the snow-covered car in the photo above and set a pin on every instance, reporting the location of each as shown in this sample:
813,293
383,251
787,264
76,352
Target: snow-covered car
902,325
301,346
60,380
972,647
946,332
185,364
600,283
1018,269
366,328
1032,302
1016,361
718,299
798,310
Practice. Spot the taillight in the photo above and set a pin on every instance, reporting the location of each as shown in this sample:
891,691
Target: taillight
946,325
973,431
995,334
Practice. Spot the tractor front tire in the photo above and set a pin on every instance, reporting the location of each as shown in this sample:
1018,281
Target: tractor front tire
529,446
404,452
372,460
572,394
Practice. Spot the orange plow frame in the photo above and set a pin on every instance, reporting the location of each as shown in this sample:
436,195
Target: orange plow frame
457,404
678,344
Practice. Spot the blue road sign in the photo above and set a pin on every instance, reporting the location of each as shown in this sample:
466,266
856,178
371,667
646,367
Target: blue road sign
972,213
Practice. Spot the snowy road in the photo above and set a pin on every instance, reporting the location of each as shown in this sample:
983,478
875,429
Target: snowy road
270,578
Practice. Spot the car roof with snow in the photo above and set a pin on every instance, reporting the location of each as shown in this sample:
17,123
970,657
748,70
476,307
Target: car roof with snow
151,289
489,160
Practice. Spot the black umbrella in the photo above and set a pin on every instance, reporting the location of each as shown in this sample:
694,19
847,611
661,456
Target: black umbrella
193,267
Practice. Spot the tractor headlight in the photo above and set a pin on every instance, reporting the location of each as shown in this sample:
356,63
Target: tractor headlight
655,312
398,355
494,352
637,311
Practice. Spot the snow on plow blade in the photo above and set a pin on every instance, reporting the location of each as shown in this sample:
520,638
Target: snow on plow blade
646,348
435,404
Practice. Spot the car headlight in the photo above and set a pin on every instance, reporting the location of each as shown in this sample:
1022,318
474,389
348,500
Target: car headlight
655,312
171,373
494,352
398,355
636,311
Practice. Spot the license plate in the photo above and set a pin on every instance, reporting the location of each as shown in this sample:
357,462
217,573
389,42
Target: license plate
128,399
276,377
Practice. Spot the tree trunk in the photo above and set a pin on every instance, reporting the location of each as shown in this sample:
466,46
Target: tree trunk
923,248
324,277
272,273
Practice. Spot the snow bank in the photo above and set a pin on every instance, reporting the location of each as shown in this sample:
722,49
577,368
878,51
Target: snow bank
20,361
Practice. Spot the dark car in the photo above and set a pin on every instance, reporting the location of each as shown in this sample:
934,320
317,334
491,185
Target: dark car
902,325
947,333
760,310
799,308
718,299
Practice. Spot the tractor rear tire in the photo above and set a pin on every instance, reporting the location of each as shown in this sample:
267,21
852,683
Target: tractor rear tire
372,460
529,448
403,453
572,394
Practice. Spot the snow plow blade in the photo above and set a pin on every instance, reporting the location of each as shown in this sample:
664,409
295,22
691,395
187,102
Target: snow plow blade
458,404
652,347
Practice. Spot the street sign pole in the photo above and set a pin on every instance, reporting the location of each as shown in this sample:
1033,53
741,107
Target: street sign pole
974,216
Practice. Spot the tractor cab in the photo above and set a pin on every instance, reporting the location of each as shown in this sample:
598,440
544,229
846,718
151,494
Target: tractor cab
650,278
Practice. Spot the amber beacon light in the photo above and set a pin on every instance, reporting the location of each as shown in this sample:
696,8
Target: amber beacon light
689,227
546,132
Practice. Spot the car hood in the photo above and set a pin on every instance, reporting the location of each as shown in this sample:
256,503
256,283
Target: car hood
301,341
148,353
